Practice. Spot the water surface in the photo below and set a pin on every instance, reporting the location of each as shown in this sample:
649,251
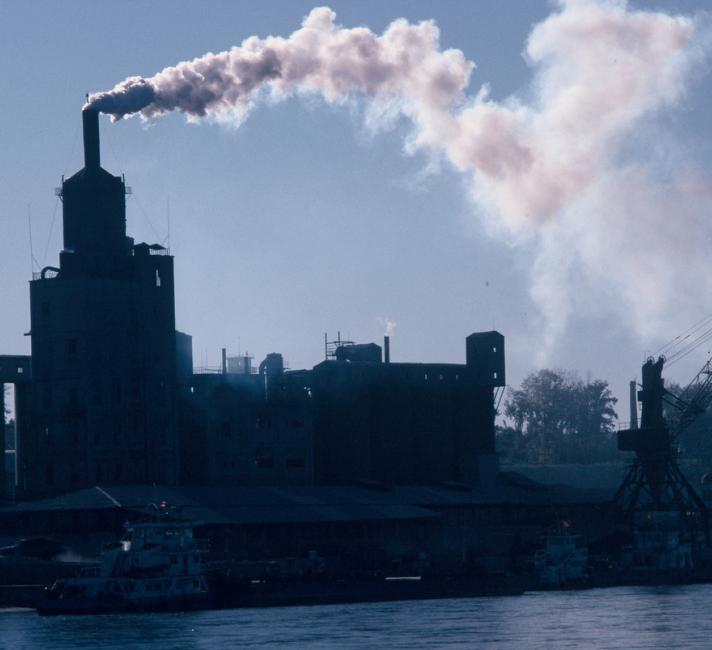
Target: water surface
626,617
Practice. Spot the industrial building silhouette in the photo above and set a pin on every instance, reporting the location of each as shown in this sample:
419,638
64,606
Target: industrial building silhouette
109,395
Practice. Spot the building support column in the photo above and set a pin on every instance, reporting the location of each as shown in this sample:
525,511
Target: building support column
2,443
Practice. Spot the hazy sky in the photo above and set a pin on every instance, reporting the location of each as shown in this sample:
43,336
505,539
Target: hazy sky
305,219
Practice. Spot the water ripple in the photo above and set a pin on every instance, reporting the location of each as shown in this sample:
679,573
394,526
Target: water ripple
630,618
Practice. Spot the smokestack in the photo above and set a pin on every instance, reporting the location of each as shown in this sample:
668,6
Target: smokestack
633,406
386,349
224,361
90,120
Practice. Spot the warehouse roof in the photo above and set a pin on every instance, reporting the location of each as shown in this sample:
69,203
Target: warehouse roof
296,504
235,505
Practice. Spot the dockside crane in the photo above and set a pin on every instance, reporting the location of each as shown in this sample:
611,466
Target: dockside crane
654,481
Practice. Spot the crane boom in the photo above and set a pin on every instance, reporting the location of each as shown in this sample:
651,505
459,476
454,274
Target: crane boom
697,398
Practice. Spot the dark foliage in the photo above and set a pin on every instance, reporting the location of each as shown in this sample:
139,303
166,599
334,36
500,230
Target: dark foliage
556,417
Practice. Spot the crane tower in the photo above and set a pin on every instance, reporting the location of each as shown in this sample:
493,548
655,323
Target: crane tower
654,481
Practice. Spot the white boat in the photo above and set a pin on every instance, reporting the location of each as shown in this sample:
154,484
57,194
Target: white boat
157,566
564,559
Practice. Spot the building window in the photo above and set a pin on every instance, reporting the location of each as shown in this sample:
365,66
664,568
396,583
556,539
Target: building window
118,428
158,279
135,388
264,459
225,430
48,396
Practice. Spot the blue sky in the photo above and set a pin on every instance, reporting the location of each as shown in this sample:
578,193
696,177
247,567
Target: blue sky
302,220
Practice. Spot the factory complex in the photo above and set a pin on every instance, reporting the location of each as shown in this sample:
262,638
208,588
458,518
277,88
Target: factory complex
371,464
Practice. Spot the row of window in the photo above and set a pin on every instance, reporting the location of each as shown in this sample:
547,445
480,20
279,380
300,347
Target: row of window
108,472
119,430
225,428
99,395
265,462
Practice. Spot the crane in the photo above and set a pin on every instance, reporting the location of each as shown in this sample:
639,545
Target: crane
654,481
697,398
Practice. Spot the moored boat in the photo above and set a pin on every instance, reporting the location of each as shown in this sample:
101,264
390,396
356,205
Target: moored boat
563,562
157,566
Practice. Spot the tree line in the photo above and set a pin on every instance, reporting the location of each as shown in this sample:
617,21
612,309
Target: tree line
557,417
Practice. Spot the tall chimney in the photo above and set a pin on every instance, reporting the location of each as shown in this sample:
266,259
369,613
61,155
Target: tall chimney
633,406
90,120
224,361
386,349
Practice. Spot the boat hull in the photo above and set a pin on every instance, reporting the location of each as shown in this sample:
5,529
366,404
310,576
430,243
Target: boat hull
78,606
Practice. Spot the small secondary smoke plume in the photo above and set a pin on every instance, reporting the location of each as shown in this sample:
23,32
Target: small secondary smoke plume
389,326
565,171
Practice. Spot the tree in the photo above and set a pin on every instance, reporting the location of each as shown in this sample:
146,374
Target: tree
555,417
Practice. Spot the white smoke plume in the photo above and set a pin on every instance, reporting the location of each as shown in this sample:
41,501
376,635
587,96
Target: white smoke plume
564,171
389,326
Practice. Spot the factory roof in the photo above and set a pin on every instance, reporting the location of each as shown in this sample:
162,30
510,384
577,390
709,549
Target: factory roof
234,505
243,505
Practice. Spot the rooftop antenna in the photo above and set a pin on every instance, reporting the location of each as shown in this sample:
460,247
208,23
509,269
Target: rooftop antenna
33,261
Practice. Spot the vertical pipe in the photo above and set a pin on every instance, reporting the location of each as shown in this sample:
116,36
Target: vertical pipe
386,349
633,406
90,123
224,361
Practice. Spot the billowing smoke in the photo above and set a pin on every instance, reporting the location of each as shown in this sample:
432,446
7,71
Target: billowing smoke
566,171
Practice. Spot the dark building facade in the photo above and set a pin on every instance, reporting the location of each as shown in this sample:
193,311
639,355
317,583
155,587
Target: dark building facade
247,428
354,418
103,347
407,423
113,398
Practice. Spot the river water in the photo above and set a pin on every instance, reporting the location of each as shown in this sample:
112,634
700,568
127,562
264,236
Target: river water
624,617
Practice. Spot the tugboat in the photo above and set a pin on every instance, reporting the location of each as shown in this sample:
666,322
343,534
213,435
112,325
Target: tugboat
662,545
563,562
157,566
